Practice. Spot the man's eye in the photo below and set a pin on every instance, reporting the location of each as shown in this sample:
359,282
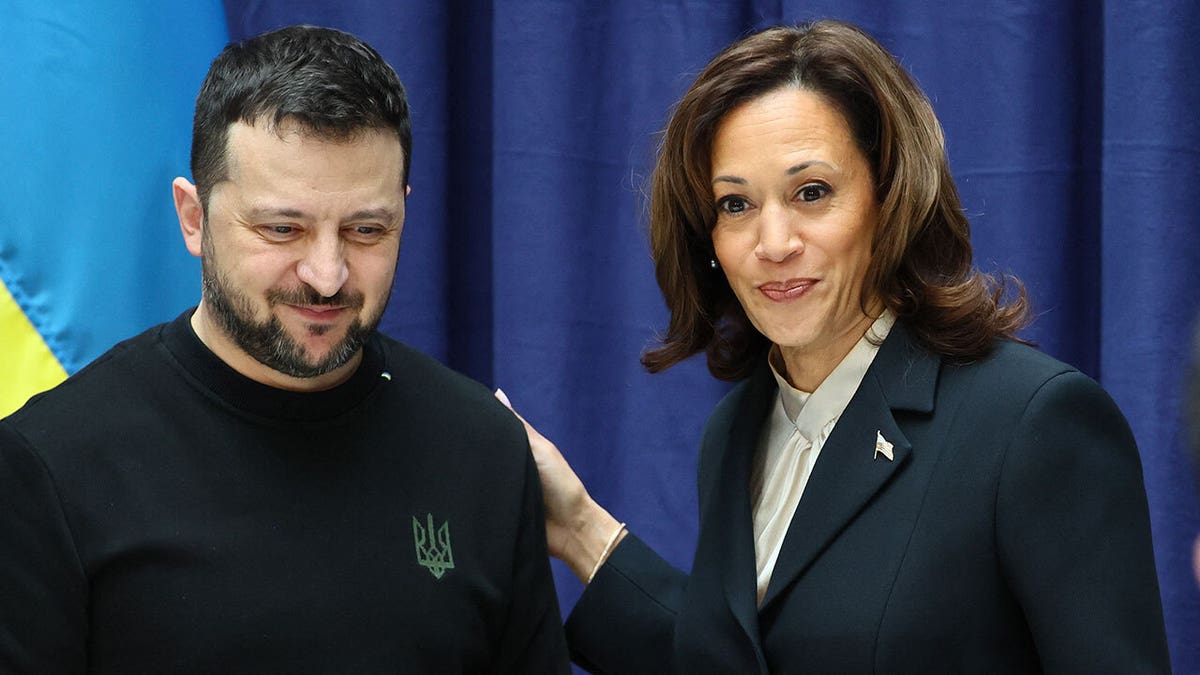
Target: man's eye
813,191
279,232
733,205
364,233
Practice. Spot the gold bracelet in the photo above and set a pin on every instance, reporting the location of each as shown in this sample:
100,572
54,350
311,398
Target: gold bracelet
607,549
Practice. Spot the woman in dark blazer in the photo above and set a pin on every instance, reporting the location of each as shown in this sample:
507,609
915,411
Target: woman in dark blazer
898,484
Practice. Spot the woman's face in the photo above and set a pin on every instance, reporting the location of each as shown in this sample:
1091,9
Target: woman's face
796,211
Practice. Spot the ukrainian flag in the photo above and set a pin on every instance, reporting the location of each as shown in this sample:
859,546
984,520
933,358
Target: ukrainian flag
96,100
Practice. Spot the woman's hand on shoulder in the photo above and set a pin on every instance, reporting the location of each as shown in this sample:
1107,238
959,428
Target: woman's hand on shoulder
578,530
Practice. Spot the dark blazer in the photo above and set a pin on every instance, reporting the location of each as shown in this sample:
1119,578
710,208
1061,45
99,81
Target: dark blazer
1009,534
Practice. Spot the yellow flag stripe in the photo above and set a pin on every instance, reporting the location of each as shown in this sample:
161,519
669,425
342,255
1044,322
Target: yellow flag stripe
27,366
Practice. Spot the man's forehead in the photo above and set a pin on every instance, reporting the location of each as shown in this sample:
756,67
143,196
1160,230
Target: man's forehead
291,129
248,139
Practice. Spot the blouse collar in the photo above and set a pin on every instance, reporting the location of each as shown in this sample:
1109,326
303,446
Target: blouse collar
812,412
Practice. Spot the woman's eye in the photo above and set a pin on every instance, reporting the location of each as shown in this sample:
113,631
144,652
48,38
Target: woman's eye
813,191
733,205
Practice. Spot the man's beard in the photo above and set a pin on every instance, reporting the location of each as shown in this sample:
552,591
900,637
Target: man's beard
268,342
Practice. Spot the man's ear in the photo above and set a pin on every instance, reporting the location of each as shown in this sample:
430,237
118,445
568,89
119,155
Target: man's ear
190,212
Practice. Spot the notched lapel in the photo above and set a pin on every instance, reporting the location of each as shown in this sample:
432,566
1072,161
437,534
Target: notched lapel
845,478
848,473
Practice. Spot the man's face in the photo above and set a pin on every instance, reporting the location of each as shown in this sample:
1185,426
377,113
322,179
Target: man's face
299,245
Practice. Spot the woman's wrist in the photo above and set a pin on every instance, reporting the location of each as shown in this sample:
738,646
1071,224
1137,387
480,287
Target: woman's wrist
613,540
592,540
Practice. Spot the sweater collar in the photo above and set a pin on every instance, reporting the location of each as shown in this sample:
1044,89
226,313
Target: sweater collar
252,398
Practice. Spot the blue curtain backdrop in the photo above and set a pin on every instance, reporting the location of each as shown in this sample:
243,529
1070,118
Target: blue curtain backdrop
1072,131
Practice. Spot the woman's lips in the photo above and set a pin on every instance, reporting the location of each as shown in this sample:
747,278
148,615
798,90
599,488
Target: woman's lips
784,291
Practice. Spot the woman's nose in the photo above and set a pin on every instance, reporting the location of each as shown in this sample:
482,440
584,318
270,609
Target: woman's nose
778,234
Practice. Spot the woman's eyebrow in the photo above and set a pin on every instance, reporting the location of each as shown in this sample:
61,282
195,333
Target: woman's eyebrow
804,165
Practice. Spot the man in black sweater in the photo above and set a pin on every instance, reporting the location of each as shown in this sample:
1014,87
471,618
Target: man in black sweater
266,484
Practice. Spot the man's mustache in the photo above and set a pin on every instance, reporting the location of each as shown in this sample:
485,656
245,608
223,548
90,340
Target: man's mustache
310,297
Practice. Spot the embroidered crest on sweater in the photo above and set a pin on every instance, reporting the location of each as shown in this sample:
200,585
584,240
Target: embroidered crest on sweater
433,546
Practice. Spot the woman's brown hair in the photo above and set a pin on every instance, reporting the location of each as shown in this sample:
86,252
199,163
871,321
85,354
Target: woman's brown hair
921,251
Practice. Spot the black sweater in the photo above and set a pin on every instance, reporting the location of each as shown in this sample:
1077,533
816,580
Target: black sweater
160,513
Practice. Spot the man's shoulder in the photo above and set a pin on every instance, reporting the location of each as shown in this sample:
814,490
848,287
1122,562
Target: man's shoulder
108,380
446,395
103,400
450,426
410,362
423,375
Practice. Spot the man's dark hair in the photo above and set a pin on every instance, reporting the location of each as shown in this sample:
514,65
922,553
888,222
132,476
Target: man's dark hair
331,83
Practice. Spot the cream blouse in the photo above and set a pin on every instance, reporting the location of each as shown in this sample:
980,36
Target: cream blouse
794,433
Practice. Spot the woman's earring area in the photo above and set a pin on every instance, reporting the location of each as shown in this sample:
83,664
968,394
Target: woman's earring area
713,264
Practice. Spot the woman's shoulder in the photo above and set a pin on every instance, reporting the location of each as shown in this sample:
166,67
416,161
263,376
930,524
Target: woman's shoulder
1017,376
753,393
1018,361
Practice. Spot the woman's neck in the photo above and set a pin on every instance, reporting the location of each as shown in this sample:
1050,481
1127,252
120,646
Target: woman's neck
807,368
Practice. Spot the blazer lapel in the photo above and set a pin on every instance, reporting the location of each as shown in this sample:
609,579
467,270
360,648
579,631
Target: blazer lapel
732,506
848,473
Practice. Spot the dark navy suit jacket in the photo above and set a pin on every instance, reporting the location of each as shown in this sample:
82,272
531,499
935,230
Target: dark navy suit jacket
1009,534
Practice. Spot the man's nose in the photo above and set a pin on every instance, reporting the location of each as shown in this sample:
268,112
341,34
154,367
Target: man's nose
323,266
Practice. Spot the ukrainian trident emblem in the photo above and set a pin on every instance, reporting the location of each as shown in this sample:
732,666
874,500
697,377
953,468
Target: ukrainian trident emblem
433,546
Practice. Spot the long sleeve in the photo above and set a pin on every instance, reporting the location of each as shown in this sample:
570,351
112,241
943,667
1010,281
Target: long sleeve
533,641
1073,532
43,590
625,620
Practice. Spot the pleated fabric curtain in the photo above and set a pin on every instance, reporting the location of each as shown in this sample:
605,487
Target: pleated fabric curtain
1072,132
